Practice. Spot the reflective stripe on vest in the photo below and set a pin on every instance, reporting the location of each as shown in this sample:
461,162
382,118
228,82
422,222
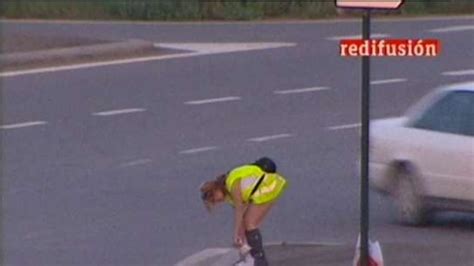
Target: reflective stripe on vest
271,188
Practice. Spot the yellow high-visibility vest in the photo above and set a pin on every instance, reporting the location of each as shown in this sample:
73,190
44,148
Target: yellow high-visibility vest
269,190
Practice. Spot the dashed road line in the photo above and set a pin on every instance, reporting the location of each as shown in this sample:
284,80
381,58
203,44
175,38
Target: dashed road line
387,81
464,72
136,162
347,126
270,137
453,28
301,90
356,36
119,112
24,124
198,150
213,100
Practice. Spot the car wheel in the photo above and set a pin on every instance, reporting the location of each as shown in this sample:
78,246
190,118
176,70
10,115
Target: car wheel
408,201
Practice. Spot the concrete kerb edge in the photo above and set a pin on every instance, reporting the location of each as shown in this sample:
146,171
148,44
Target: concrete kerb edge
203,255
269,21
232,255
78,52
302,243
228,254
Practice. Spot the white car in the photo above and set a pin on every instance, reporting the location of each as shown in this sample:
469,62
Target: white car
425,159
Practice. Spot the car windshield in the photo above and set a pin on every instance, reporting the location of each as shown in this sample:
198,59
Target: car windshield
452,113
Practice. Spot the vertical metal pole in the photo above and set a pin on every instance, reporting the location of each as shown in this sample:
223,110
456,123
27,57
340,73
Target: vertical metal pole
364,169
2,171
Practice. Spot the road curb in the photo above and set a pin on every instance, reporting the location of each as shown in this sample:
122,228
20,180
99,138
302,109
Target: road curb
268,21
203,256
302,243
232,255
226,256
22,59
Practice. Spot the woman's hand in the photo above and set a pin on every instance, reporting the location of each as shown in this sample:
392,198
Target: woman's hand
239,240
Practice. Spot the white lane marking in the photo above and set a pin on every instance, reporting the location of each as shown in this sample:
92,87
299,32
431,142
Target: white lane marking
271,137
213,100
459,72
387,81
136,162
198,150
357,36
201,48
453,28
98,64
217,48
24,124
119,111
203,255
347,126
301,90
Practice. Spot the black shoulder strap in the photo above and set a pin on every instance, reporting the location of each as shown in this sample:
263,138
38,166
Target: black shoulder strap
257,185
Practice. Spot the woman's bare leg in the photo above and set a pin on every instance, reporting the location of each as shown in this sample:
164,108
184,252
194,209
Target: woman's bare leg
252,219
255,215
264,214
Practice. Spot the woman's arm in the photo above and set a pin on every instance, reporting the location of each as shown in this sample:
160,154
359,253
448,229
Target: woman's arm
239,211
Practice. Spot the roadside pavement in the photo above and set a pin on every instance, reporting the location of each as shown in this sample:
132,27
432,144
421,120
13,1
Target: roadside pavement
22,50
394,254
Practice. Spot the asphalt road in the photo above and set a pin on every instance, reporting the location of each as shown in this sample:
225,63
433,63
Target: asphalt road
82,188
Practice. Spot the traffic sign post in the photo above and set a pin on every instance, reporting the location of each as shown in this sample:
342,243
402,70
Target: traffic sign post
365,117
364,147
